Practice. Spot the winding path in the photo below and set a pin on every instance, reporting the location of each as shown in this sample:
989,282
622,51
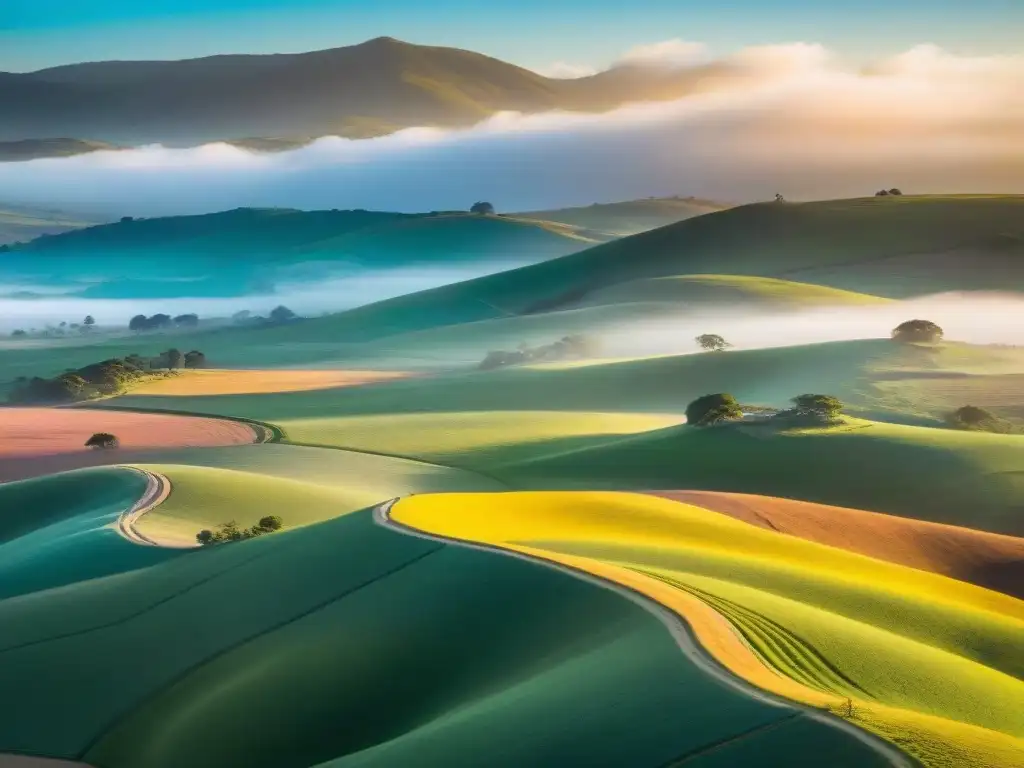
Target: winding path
158,488
680,630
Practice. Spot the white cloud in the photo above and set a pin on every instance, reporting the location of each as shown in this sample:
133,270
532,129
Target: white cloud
774,118
565,70
667,53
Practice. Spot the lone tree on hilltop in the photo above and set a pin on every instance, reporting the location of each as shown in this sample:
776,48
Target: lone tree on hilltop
712,409
917,331
482,208
102,441
281,314
820,407
89,321
712,342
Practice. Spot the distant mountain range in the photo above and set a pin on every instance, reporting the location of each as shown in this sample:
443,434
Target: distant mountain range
276,101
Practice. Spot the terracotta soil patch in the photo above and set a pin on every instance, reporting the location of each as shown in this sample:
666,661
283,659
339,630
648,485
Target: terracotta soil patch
987,559
196,383
38,432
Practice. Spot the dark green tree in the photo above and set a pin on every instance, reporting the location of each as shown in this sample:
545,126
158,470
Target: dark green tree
482,208
712,409
917,331
102,441
822,407
712,342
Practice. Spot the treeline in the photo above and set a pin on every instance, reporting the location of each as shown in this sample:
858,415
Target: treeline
230,531
108,377
160,321
574,347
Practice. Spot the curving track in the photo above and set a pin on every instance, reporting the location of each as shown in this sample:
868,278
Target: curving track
683,635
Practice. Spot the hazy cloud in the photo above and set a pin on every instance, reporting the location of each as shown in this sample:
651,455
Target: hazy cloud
786,118
667,53
565,70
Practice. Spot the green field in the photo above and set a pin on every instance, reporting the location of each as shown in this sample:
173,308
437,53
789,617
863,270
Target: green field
630,217
926,660
360,631
56,530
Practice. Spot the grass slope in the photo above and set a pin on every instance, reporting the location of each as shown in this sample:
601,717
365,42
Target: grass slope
748,292
960,478
888,247
299,484
244,250
630,216
927,661
359,632
56,530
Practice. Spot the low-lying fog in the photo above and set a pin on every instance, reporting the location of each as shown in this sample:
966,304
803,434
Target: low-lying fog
972,318
783,118
308,299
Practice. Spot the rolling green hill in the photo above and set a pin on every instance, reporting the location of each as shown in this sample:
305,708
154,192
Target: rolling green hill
245,250
629,217
426,646
890,247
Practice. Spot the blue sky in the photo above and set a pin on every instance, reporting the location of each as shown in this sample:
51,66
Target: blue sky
534,33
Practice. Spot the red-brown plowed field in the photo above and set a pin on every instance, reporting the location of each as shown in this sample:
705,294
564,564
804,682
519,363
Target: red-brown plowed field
986,559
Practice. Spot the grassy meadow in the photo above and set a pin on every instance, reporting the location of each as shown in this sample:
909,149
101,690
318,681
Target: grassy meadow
925,659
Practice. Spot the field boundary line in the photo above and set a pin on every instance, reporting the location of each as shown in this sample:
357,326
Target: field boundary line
681,631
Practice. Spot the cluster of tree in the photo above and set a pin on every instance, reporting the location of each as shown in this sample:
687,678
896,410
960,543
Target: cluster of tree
61,329
712,342
887,192
104,378
278,316
102,441
567,348
230,531
975,419
482,208
721,407
161,321
920,331
108,377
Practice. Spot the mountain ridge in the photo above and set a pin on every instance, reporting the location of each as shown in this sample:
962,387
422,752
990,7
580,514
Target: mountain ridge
372,88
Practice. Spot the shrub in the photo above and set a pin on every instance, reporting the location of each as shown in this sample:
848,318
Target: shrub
972,417
712,409
882,193
230,531
573,347
712,342
917,331
482,208
818,407
195,359
18,332
102,441
281,314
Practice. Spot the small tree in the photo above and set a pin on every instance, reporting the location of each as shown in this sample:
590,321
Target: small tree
917,331
882,193
18,332
712,342
712,409
482,208
895,191
195,359
102,441
978,419
175,358
89,321
281,314
242,316
819,407
138,323
187,321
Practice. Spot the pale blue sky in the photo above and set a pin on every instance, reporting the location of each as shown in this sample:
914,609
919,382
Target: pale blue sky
533,33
